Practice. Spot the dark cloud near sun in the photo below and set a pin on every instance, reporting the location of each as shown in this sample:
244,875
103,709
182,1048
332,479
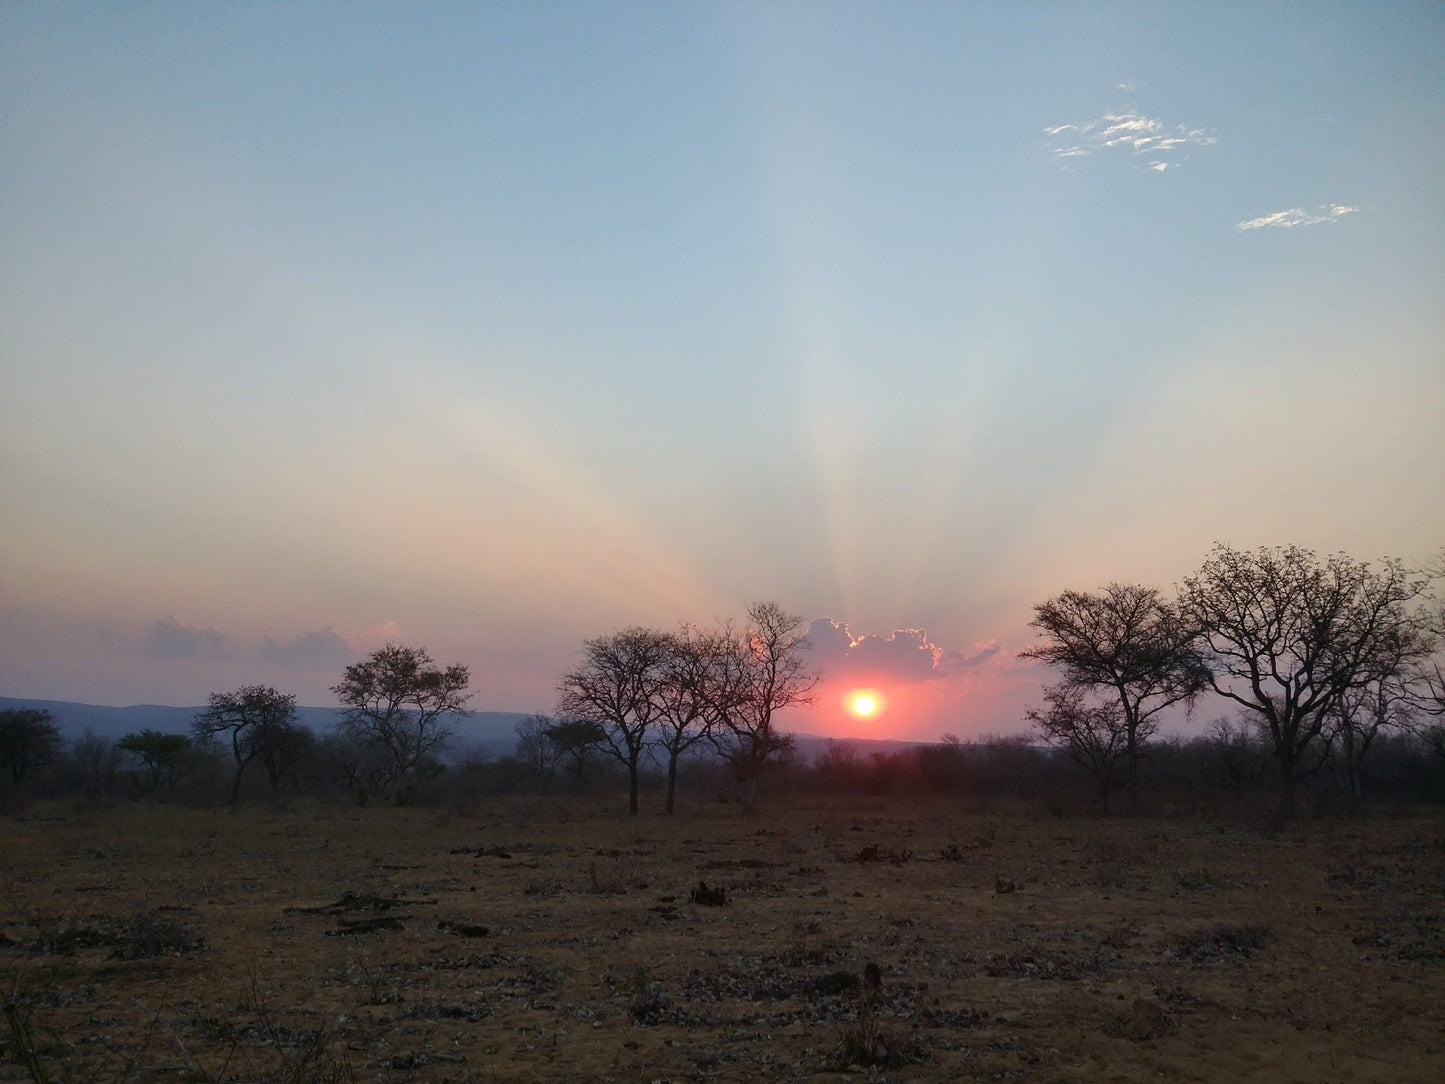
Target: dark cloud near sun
308,650
169,639
903,656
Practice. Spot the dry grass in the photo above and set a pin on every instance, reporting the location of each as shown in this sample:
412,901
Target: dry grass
558,941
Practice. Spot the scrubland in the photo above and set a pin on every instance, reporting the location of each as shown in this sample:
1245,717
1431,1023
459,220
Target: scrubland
552,939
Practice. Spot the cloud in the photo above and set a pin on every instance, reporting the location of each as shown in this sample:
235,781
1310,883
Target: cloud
170,639
308,651
1128,131
904,656
1297,216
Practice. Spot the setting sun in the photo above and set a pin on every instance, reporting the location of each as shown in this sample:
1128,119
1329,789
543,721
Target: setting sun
864,703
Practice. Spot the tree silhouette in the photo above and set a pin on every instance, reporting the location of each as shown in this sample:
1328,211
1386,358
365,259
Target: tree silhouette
683,697
161,753
617,689
760,673
259,722
1287,635
398,702
1127,643
1094,736
29,739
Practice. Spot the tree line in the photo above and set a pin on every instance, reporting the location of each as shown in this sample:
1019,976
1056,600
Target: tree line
1323,659
1319,656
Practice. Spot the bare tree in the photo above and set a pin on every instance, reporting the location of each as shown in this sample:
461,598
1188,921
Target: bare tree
683,697
398,703
94,761
1428,688
1286,635
1094,736
535,749
253,717
761,673
616,688
1386,699
1128,643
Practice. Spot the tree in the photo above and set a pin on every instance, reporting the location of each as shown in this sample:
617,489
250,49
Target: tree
161,753
683,697
617,689
535,750
1286,635
759,674
93,761
258,720
398,702
284,750
1385,700
577,741
29,739
1094,736
1128,643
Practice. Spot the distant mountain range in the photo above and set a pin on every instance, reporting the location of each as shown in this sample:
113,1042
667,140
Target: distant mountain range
489,733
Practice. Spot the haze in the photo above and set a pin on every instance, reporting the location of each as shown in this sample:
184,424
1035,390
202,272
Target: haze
494,328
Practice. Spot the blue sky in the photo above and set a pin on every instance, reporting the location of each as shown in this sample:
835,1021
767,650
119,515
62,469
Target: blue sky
496,327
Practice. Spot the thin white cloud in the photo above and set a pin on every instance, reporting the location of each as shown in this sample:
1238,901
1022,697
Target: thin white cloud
1130,132
1297,216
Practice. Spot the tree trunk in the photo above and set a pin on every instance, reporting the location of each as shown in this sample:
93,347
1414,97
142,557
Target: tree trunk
632,788
1287,786
236,784
1131,755
671,779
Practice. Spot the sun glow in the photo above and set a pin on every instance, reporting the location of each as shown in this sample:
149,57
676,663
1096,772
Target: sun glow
863,703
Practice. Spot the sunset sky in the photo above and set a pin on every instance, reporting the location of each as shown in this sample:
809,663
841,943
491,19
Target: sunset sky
494,327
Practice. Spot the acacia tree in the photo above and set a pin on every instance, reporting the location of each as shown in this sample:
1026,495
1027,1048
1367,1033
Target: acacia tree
255,718
160,752
617,689
757,675
1286,635
1128,643
1094,736
398,703
577,741
683,697
29,739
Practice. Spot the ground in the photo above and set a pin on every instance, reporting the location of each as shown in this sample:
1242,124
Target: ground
553,939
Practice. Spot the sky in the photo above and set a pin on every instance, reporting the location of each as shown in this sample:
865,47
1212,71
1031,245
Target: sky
492,328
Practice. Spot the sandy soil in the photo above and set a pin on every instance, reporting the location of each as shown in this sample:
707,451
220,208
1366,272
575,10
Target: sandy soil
154,943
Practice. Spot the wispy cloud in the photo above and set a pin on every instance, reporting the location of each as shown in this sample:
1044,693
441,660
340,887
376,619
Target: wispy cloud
308,651
1130,132
1297,216
171,639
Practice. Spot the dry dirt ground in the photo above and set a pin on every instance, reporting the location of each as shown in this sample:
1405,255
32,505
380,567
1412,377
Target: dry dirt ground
318,942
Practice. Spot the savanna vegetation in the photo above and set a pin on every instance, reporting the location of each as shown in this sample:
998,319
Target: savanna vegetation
955,910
